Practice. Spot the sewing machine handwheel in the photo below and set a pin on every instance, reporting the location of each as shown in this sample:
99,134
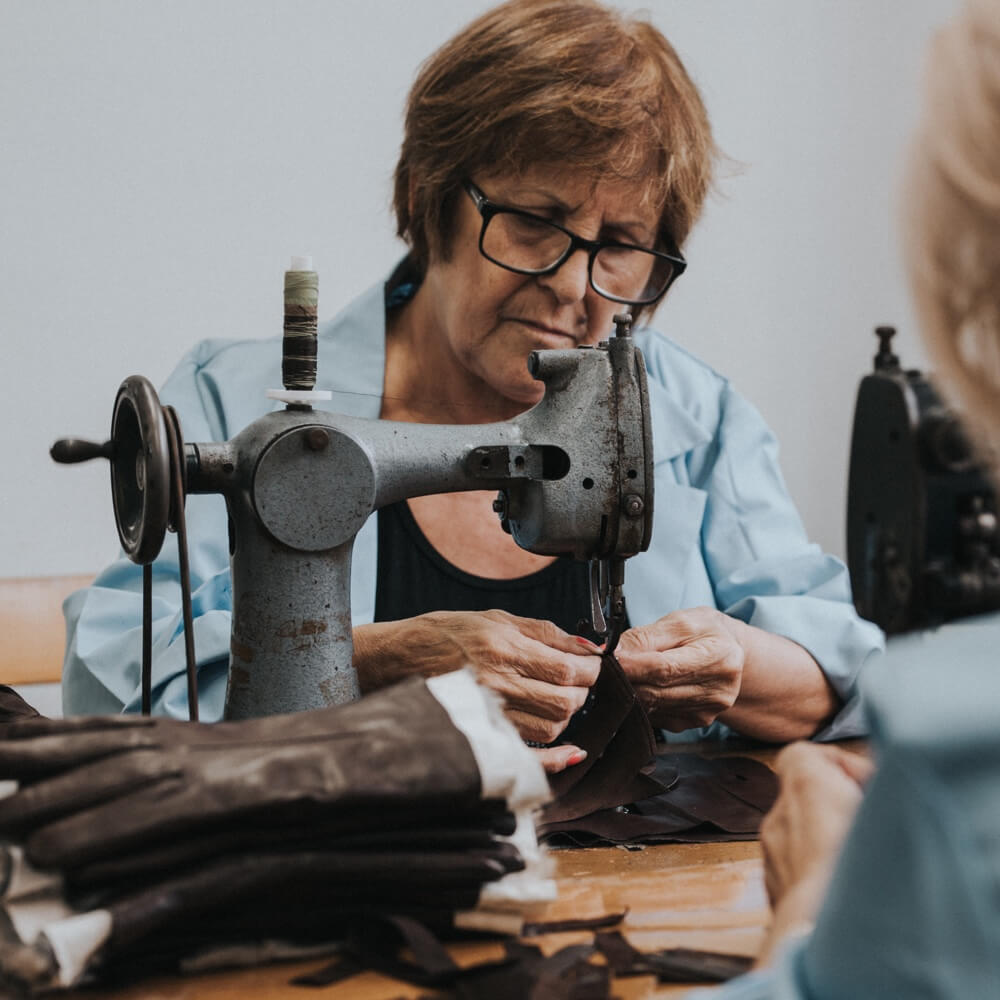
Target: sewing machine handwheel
140,469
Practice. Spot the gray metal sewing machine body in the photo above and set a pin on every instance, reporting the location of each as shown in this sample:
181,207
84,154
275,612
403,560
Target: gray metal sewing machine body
574,475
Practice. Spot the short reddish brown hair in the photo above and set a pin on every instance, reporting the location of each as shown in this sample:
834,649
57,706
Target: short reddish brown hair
564,82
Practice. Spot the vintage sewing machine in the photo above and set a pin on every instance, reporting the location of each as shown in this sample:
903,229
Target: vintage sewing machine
923,544
573,475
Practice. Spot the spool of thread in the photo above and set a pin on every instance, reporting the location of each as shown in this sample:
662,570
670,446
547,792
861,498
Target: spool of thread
298,358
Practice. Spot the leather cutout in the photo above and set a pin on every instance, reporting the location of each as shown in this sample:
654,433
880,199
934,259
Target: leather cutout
568,974
625,793
722,798
594,726
619,742
13,707
671,965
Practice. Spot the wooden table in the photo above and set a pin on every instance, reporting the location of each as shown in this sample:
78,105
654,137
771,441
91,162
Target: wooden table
708,896
704,896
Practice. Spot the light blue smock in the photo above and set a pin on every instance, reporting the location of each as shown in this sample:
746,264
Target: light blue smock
913,909
726,534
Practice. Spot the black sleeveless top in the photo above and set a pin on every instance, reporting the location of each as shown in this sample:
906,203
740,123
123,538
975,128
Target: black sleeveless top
413,578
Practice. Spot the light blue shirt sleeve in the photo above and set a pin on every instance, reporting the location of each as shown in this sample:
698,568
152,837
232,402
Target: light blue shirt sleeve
727,534
767,573
913,908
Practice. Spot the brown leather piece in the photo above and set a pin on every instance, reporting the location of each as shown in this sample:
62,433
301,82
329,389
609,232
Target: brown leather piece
594,726
619,742
14,708
671,965
572,924
624,792
524,972
568,974
722,798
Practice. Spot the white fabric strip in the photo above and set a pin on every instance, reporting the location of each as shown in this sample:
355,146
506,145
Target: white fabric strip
20,879
508,769
33,901
75,940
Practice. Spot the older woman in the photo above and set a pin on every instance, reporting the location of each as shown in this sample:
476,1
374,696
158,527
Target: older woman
911,908
555,158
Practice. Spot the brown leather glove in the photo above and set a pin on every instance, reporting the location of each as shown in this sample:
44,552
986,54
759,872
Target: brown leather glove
92,789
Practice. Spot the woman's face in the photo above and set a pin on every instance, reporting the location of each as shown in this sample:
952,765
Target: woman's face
491,318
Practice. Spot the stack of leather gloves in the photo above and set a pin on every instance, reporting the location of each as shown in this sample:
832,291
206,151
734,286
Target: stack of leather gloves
130,843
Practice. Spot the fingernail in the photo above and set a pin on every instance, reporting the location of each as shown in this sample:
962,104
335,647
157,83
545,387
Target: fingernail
576,757
588,643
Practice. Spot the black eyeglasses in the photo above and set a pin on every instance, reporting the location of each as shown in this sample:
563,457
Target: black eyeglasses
529,244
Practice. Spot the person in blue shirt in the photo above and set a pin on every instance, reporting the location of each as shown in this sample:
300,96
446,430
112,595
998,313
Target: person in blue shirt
555,158
888,884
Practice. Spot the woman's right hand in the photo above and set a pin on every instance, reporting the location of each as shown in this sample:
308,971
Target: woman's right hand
542,673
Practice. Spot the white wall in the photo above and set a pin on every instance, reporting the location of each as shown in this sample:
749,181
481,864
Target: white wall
159,162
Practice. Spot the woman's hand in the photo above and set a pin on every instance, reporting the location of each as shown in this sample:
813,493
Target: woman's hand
686,668
556,759
542,673
801,837
692,667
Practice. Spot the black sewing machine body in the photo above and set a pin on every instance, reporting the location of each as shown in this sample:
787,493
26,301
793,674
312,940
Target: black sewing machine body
923,545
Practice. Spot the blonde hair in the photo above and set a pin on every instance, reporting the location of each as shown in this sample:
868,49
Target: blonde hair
952,214
564,82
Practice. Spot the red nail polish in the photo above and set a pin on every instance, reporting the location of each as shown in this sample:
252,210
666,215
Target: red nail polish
576,758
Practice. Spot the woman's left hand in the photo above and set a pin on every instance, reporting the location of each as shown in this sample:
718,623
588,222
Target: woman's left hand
802,835
686,668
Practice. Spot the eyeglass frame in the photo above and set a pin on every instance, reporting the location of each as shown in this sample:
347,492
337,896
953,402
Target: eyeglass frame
488,208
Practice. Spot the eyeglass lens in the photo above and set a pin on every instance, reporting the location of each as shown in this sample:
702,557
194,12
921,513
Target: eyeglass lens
530,244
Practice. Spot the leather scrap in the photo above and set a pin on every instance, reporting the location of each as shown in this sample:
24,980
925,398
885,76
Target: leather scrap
709,799
577,924
619,742
524,971
594,726
626,793
13,708
671,965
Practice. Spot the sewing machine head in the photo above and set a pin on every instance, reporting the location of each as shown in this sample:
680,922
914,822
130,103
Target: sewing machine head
573,475
922,539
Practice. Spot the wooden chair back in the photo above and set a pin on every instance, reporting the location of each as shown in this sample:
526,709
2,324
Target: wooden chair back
32,631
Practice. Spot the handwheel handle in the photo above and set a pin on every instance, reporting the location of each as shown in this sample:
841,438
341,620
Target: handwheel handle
69,451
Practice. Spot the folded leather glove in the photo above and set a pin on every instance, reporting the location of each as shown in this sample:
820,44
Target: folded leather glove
446,828
93,789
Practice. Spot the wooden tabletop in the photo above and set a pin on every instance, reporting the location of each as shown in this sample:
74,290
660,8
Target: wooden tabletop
703,896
